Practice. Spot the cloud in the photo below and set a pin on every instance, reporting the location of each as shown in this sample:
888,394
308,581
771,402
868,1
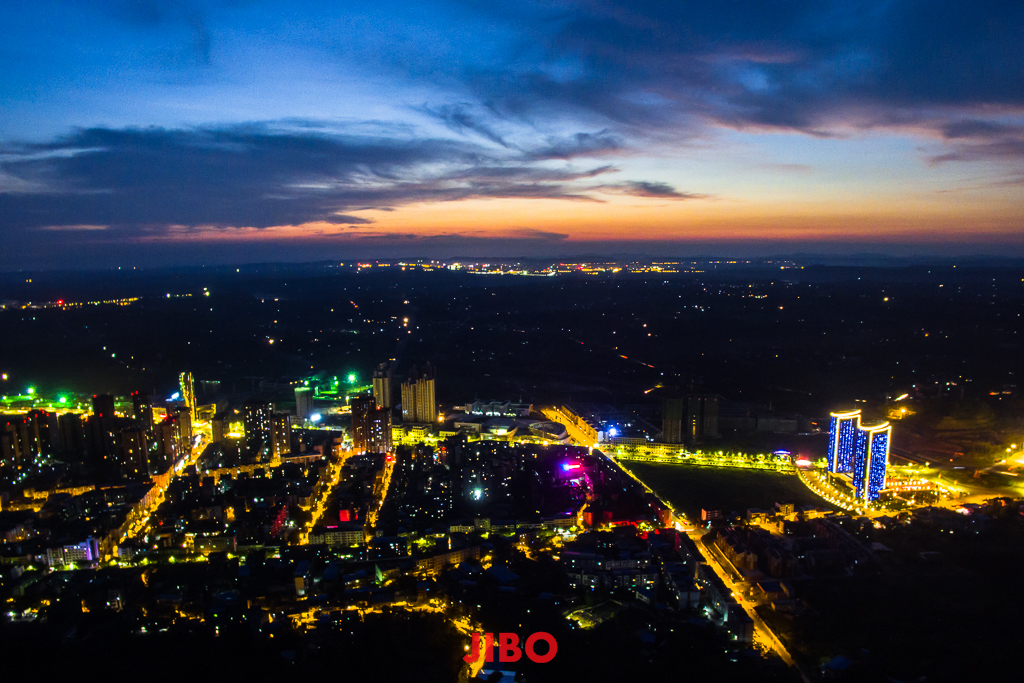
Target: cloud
979,140
640,188
460,119
649,69
142,181
74,228
579,145
534,234
343,219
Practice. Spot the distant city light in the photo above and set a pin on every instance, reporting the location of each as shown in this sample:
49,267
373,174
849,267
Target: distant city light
612,431
803,462
315,417
31,390
4,376
571,466
351,378
478,494
62,400
175,396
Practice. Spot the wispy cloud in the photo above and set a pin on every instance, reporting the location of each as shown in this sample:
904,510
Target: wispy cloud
642,188
261,175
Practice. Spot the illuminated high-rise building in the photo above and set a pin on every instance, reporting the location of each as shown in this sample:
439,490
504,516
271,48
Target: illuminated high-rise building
303,402
143,405
361,407
134,454
43,428
17,444
165,448
181,426
418,404
280,434
256,416
378,431
188,393
871,457
173,438
382,383
860,452
842,438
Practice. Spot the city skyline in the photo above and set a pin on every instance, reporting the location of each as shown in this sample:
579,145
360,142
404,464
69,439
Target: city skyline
145,134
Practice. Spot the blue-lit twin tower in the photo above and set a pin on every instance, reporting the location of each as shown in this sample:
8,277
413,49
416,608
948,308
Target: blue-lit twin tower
860,452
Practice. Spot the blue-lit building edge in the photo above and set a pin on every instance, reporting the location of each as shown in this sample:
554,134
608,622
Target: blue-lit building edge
846,446
879,461
860,463
870,462
832,444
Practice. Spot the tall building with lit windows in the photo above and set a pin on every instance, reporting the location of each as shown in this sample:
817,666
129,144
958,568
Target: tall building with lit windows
188,393
280,435
842,438
361,407
378,431
256,416
382,382
143,406
860,452
870,460
418,403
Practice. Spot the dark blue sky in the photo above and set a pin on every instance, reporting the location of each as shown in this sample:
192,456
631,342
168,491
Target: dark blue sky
161,132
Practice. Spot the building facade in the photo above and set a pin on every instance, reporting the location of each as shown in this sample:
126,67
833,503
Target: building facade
672,420
860,452
256,416
303,402
842,440
382,383
701,417
870,461
418,403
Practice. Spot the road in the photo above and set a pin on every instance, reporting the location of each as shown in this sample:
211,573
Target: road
735,583
140,515
331,476
575,433
374,511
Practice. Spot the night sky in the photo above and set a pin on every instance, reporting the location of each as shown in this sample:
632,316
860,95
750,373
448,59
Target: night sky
155,133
